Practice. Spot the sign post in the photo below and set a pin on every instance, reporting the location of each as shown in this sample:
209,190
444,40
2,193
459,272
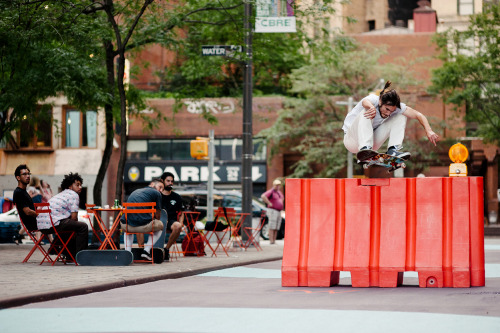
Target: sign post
247,149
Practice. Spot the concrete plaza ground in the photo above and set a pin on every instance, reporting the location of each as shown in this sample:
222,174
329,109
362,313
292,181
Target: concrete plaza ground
23,283
247,298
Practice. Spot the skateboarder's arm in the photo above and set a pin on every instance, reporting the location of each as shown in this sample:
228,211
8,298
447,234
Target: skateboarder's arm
414,114
370,110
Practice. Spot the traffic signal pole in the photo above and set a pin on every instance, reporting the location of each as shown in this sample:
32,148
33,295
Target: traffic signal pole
246,162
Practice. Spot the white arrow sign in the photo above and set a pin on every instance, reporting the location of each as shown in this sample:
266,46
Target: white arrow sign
256,173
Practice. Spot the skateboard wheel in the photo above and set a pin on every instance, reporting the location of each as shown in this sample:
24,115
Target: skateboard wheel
365,166
403,165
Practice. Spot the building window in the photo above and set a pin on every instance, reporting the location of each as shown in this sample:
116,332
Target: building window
137,149
36,132
180,149
371,25
158,150
80,129
465,7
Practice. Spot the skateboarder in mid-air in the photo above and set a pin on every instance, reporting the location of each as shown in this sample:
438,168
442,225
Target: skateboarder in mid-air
378,118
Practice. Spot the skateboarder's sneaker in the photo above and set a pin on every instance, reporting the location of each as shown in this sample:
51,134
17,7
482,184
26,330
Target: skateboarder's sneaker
365,153
393,151
145,255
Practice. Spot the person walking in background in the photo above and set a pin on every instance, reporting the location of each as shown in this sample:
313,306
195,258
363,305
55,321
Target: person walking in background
274,201
46,191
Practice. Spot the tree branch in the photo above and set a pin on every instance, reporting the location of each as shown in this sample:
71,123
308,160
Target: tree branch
136,21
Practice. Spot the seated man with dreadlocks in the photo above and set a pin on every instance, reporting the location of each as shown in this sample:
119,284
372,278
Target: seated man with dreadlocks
378,118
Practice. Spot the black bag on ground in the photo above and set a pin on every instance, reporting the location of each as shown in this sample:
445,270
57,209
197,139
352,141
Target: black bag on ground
217,226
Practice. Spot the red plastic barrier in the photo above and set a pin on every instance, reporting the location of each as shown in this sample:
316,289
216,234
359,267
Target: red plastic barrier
379,228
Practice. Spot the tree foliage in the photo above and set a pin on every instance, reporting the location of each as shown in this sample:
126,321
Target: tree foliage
470,75
310,122
43,52
275,55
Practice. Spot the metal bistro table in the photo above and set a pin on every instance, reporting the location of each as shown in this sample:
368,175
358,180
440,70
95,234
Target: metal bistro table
108,232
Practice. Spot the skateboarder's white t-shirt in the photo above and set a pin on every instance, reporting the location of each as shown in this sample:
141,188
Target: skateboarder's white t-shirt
377,121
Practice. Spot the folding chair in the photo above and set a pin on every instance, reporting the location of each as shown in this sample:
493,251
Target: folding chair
221,216
139,208
38,243
253,234
44,208
90,215
190,219
235,221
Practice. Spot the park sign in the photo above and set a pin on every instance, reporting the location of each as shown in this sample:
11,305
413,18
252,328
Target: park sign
275,16
220,50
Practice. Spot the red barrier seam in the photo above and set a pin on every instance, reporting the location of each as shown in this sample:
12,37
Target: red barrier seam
338,262
375,236
411,223
447,232
305,215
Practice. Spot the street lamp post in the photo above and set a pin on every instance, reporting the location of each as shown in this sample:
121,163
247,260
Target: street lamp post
246,167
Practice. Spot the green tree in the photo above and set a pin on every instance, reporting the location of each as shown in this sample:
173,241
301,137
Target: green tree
275,55
133,25
310,122
470,75
43,53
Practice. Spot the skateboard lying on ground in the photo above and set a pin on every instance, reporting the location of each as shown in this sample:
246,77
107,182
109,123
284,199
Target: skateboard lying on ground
104,258
370,157
158,254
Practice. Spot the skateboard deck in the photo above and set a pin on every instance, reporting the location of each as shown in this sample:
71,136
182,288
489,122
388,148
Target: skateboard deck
158,254
369,158
104,258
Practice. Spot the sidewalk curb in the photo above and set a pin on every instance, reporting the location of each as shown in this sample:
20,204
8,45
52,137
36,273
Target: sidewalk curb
68,292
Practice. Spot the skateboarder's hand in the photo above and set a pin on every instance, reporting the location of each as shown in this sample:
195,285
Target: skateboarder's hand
370,113
433,137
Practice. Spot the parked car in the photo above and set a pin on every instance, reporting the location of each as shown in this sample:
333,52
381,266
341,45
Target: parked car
10,223
229,198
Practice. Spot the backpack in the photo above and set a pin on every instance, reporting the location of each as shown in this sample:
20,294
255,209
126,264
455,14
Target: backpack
195,247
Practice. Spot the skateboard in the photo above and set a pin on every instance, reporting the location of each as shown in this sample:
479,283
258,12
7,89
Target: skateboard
104,258
158,254
369,158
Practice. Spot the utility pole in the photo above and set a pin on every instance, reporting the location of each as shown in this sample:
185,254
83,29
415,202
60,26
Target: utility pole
246,162
210,185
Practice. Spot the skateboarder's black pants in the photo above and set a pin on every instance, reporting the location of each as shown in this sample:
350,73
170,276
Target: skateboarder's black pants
79,241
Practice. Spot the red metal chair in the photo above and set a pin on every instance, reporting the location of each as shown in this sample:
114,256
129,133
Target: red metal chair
253,234
140,208
59,244
235,221
90,215
222,216
37,240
